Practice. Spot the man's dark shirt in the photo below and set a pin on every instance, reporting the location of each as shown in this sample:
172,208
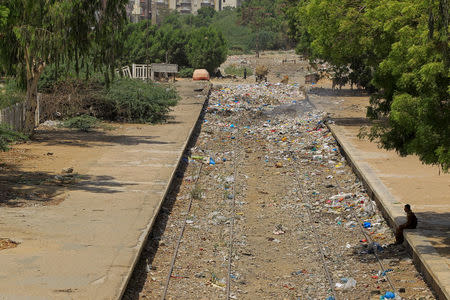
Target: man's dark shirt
411,221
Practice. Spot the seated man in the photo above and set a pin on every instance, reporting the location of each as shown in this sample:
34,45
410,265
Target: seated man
411,223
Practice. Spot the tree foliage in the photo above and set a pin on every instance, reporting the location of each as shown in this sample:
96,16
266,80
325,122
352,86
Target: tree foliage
266,20
398,49
206,49
174,42
40,32
4,11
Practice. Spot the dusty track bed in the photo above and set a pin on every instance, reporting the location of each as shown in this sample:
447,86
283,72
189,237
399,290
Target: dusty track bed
279,181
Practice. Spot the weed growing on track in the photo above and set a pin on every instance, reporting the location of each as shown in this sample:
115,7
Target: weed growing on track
197,192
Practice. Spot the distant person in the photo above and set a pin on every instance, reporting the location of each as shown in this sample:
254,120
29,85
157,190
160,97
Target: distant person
411,223
245,73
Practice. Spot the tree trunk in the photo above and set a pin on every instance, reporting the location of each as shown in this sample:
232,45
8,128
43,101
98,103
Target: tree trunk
87,71
113,73
77,66
34,71
107,79
31,105
257,45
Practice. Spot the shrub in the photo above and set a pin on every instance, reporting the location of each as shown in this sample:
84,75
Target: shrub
238,70
8,136
139,101
83,122
10,94
186,72
126,100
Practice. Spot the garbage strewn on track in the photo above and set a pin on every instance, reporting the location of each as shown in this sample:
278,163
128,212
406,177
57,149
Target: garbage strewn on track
299,212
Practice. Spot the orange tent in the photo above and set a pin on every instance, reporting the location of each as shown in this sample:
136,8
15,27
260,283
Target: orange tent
200,74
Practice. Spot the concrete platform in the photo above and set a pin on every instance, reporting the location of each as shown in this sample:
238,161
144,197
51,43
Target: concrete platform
86,247
394,181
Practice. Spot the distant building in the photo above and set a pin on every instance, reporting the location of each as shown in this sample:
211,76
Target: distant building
138,10
192,6
221,4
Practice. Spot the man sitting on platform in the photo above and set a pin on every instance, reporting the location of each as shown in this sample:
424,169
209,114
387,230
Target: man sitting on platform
411,223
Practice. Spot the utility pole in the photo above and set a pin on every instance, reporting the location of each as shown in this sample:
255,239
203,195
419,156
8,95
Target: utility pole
147,39
154,8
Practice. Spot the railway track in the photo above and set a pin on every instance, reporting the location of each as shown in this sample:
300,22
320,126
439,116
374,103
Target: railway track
180,237
227,260
232,212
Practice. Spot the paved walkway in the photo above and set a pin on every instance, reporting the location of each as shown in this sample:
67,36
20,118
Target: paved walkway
86,247
395,181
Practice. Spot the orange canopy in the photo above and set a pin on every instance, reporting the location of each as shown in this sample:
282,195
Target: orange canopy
200,74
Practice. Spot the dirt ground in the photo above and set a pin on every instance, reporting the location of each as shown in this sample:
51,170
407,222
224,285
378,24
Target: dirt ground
33,172
295,68
293,206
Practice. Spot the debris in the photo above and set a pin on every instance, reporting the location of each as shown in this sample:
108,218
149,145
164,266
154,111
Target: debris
274,160
279,230
67,170
346,284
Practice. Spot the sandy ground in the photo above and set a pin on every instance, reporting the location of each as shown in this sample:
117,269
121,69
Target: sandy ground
29,169
274,61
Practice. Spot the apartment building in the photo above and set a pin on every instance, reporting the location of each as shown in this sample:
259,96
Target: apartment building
138,10
221,4
142,9
192,6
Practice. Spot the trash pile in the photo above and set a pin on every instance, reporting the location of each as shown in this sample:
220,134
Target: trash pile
270,164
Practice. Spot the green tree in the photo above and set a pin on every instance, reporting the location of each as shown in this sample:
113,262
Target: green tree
206,49
139,36
4,11
413,82
238,36
204,16
267,21
169,45
39,32
398,48
108,35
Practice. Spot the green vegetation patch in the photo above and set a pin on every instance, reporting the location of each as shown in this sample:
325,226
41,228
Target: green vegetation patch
237,70
186,72
10,94
140,102
8,136
83,123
